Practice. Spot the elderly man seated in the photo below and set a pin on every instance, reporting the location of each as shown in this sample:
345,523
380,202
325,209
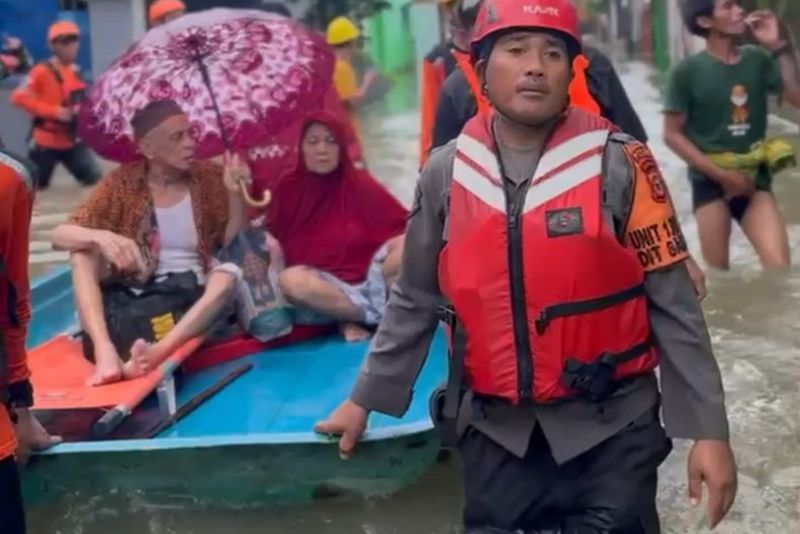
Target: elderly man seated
148,223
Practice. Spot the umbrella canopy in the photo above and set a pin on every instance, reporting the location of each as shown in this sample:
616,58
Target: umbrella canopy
241,76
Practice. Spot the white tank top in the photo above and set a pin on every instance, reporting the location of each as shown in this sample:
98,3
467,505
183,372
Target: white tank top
178,240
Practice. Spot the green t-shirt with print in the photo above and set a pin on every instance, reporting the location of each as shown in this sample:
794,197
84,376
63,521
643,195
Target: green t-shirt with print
726,106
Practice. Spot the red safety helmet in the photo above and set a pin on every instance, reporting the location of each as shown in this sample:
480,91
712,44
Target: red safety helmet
499,15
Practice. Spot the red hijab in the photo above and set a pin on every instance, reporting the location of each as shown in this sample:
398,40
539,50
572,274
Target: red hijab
268,163
334,222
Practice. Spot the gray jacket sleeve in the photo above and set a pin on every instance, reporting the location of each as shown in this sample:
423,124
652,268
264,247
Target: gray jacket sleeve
400,346
693,398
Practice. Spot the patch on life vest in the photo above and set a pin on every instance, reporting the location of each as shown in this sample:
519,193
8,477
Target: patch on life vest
646,163
659,244
564,222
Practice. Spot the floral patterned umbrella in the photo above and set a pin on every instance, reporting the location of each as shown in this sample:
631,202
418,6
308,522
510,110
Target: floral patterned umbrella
240,75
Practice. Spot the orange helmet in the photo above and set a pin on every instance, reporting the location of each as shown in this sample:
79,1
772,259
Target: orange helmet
162,8
496,16
61,29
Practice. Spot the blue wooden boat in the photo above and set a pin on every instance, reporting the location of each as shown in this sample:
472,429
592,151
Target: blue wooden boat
252,443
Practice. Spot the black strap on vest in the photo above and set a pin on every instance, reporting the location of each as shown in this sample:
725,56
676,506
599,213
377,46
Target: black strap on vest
11,310
66,100
595,381
446,403
567,309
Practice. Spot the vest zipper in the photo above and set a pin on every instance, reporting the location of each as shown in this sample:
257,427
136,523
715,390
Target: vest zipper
519,312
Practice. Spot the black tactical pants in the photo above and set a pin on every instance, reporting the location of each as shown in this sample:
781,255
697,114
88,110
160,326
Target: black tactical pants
12,515
78,160
609,489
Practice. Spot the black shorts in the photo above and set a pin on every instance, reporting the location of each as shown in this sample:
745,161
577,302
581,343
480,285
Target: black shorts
12,514
706,191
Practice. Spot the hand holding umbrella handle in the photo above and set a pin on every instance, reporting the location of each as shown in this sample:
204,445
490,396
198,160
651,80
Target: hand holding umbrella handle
236,175
266,198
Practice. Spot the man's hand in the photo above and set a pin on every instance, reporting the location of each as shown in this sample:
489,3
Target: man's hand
235,174
698,278
736,184
349,421
765,28
711,463
120,251
31,435
65,115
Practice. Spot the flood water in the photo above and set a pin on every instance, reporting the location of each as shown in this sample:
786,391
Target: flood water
753,316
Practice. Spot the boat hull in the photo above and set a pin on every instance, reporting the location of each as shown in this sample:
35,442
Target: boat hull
234,476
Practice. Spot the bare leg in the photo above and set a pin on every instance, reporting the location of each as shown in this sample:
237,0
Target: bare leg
303,288
87,272
146,357
394,257
764,226
714,229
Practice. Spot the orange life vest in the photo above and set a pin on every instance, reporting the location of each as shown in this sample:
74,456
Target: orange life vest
545,292
16,206
465,64
579,95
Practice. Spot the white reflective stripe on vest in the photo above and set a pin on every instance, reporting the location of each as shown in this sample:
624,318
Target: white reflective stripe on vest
569,149
18,168
479,185
563,181
480,154
561,168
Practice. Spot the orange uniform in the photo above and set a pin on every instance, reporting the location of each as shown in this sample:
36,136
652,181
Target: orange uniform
42,95
436,67
16,206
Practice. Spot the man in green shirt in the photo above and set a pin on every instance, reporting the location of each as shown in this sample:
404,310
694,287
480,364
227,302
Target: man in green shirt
717,101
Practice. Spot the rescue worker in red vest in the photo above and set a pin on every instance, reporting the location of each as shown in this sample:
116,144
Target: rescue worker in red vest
553,239
19,431
595,87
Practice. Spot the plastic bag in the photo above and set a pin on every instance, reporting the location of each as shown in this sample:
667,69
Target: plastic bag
260,307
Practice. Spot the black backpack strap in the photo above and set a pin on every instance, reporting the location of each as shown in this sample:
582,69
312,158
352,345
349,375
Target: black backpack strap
5,394
41,122
448,403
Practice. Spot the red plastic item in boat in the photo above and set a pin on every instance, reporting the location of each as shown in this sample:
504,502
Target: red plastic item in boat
240,346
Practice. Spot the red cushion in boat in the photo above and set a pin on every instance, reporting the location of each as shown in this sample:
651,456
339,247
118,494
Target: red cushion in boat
243,345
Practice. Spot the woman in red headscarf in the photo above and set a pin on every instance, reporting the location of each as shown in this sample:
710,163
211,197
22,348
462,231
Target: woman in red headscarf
341,231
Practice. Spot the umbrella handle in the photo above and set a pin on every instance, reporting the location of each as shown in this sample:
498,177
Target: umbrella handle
266,198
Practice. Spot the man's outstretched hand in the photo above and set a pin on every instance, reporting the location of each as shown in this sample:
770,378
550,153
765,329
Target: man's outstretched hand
349,421
31,435
711,463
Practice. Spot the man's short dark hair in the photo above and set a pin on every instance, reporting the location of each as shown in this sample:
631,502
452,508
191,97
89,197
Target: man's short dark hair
693,10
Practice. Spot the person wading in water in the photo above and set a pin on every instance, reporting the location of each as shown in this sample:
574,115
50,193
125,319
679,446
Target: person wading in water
553,238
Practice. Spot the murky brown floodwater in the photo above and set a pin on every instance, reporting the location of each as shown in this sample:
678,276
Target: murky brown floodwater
754,320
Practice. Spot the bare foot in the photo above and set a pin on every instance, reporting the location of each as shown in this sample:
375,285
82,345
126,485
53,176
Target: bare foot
108,366
143,359
131,370
352,332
